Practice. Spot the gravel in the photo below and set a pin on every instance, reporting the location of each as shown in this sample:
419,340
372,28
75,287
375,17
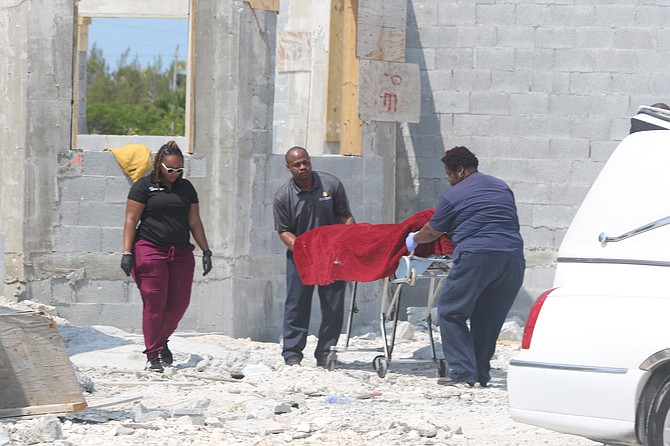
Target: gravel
222,390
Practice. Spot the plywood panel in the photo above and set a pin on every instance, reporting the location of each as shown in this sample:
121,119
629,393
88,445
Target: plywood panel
36,375
381,30
294,51
389,91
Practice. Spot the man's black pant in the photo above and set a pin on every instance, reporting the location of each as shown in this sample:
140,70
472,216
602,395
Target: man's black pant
298,308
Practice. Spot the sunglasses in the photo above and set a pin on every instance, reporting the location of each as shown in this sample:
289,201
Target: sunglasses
170,170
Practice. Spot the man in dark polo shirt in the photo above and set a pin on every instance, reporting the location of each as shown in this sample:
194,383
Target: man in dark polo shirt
309,200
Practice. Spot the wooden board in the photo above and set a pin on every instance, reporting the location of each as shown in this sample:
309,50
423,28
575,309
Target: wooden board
389,91
132,8
334,99
36,375
381,32
352,127
268,5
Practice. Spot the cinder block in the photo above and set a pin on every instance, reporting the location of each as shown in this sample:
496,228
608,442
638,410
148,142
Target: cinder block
111,240
61,292
101,163
569,149
653,16
69,213
568,194
546,170
84,239
591,127
81,314
590,83
101,213
471,80
452,102
532,192
447,59
425,14
631,83
117,188
476,36
99,291
423,57
537,238
533,14
125,316
493,103
456,13
553,216
438,37
615,15
602,150
585,172
81,188
496,14
557,37
594,37
537,60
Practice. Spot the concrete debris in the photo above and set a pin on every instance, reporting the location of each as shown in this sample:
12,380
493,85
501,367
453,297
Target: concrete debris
44,429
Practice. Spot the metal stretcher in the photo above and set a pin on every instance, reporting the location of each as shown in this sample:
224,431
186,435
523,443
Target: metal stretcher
411,269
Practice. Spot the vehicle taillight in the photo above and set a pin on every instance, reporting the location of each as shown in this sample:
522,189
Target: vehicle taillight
532,318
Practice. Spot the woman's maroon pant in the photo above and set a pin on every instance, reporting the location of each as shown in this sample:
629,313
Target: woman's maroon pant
164,276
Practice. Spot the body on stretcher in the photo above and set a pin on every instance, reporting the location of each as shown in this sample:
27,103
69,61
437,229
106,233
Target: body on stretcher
411,269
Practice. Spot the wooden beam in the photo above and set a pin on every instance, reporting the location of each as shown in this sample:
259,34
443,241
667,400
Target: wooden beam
351,141
158,9
267,5
189,118
334,98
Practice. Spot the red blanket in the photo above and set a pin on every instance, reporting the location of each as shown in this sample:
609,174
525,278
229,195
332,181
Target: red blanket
362,252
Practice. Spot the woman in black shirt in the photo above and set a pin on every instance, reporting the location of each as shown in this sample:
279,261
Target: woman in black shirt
158,252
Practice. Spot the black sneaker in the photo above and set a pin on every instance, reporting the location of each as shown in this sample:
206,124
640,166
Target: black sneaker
292,360
154,365
166,355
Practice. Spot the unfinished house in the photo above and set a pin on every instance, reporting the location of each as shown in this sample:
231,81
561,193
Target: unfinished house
375,89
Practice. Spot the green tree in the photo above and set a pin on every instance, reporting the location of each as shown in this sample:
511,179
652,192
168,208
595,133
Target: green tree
134,99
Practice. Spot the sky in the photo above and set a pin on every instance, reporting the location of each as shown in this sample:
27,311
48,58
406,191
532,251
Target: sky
146,38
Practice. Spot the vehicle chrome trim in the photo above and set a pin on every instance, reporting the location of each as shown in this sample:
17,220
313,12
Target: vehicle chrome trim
569,367
604,238
655,359
613,261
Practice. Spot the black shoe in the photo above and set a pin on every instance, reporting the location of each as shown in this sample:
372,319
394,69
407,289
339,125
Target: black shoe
154,365
166,355
292,360
323,361
446,381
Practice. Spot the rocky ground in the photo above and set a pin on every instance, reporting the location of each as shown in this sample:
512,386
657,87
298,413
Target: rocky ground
225,391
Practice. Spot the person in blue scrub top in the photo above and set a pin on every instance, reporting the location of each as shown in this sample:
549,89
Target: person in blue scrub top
478,212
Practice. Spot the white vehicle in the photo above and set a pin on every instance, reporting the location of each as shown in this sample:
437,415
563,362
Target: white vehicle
595,356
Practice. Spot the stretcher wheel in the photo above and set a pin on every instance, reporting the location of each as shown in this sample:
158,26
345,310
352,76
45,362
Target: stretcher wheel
381,365
331,361
442,368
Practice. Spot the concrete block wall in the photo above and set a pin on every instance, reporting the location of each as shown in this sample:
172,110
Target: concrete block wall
542,92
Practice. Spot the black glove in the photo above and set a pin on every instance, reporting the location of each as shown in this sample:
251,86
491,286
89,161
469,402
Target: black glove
206,262
127,263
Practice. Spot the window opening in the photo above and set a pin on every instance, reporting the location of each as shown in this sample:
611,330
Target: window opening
133,69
